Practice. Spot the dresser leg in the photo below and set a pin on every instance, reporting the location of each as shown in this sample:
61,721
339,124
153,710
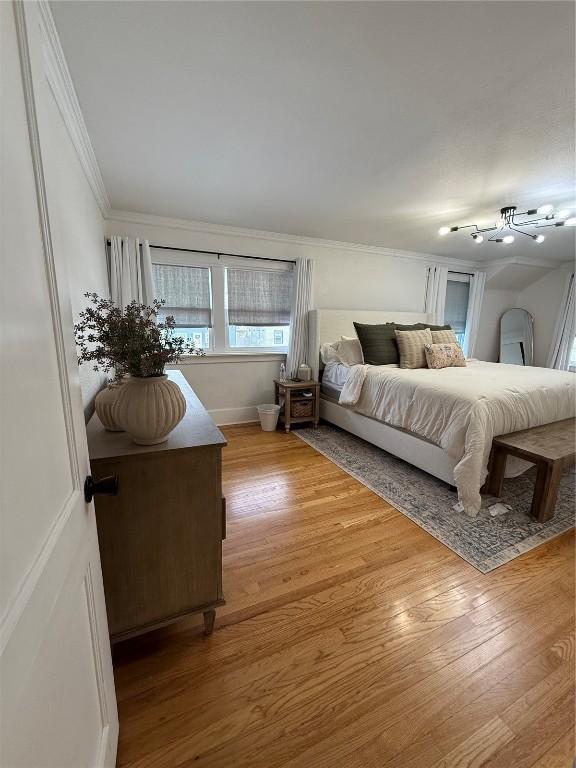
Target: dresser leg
209,617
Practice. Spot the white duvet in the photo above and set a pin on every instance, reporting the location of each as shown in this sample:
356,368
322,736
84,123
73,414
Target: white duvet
462,409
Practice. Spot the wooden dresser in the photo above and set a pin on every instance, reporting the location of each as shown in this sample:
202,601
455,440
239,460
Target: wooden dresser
161,536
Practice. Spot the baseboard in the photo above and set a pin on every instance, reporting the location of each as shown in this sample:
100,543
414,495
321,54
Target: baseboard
244,415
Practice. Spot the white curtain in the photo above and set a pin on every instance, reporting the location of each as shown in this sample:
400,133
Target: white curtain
130,271
301,306
475,298
436,281
565,330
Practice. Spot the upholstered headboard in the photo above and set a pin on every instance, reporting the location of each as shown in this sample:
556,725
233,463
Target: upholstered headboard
330,324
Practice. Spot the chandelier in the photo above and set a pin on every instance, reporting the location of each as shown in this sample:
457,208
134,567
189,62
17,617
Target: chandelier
510,224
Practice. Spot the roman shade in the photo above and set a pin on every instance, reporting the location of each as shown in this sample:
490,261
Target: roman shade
186,291
259,297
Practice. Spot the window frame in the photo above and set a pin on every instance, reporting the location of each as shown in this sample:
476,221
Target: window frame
219,333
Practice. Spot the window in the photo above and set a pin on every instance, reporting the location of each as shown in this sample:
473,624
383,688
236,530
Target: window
258,307
572,361
456,308
222,305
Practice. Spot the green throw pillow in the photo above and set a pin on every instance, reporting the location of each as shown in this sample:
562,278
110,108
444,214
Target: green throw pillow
422,326
378,343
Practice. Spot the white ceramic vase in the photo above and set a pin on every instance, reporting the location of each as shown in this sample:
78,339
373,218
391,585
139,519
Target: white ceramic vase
149,408
103,405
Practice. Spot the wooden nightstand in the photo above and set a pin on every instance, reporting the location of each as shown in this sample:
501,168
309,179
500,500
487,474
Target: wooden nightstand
296,407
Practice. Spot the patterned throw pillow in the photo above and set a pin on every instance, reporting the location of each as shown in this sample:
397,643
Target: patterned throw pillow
444,356
411,347
444,337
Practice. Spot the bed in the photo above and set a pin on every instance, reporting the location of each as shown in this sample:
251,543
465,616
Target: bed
440,421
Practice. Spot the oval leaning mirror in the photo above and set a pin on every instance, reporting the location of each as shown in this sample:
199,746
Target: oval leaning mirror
516,337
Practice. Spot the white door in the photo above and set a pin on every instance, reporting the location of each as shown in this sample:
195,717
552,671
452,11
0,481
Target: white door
58,707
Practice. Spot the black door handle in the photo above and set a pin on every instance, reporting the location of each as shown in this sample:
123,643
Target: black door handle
106,485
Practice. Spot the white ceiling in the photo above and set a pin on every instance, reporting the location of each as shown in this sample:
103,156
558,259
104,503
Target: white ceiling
366,122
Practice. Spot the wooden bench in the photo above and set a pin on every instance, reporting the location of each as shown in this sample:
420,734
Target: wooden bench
551,447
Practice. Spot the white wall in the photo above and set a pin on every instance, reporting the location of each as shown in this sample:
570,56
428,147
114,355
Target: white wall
76,222
231,388
343,279
542,299
496,302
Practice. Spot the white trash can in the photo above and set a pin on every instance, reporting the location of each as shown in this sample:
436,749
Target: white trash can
268,416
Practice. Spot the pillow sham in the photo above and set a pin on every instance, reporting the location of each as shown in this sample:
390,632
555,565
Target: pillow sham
444,356
347,351
328,352
350,351
411,347
444,337
378,343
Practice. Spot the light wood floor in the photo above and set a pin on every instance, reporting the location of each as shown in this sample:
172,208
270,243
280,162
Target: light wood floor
352,638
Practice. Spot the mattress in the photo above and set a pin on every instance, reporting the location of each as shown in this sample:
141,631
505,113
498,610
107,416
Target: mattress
331,391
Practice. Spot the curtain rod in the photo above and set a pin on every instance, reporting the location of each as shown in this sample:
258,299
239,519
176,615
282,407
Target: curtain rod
216,253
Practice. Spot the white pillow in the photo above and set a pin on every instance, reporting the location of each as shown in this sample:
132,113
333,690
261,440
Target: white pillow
350,351
328,352
347,351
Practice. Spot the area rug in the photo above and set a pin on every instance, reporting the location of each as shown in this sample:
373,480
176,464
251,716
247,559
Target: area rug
484,541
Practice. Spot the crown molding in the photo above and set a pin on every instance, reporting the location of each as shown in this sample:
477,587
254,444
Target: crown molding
62,86
201,227
521,261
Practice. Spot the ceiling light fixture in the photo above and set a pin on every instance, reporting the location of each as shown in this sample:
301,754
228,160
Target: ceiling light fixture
503,232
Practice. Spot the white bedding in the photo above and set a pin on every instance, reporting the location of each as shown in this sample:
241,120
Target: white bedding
462,409
335,374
